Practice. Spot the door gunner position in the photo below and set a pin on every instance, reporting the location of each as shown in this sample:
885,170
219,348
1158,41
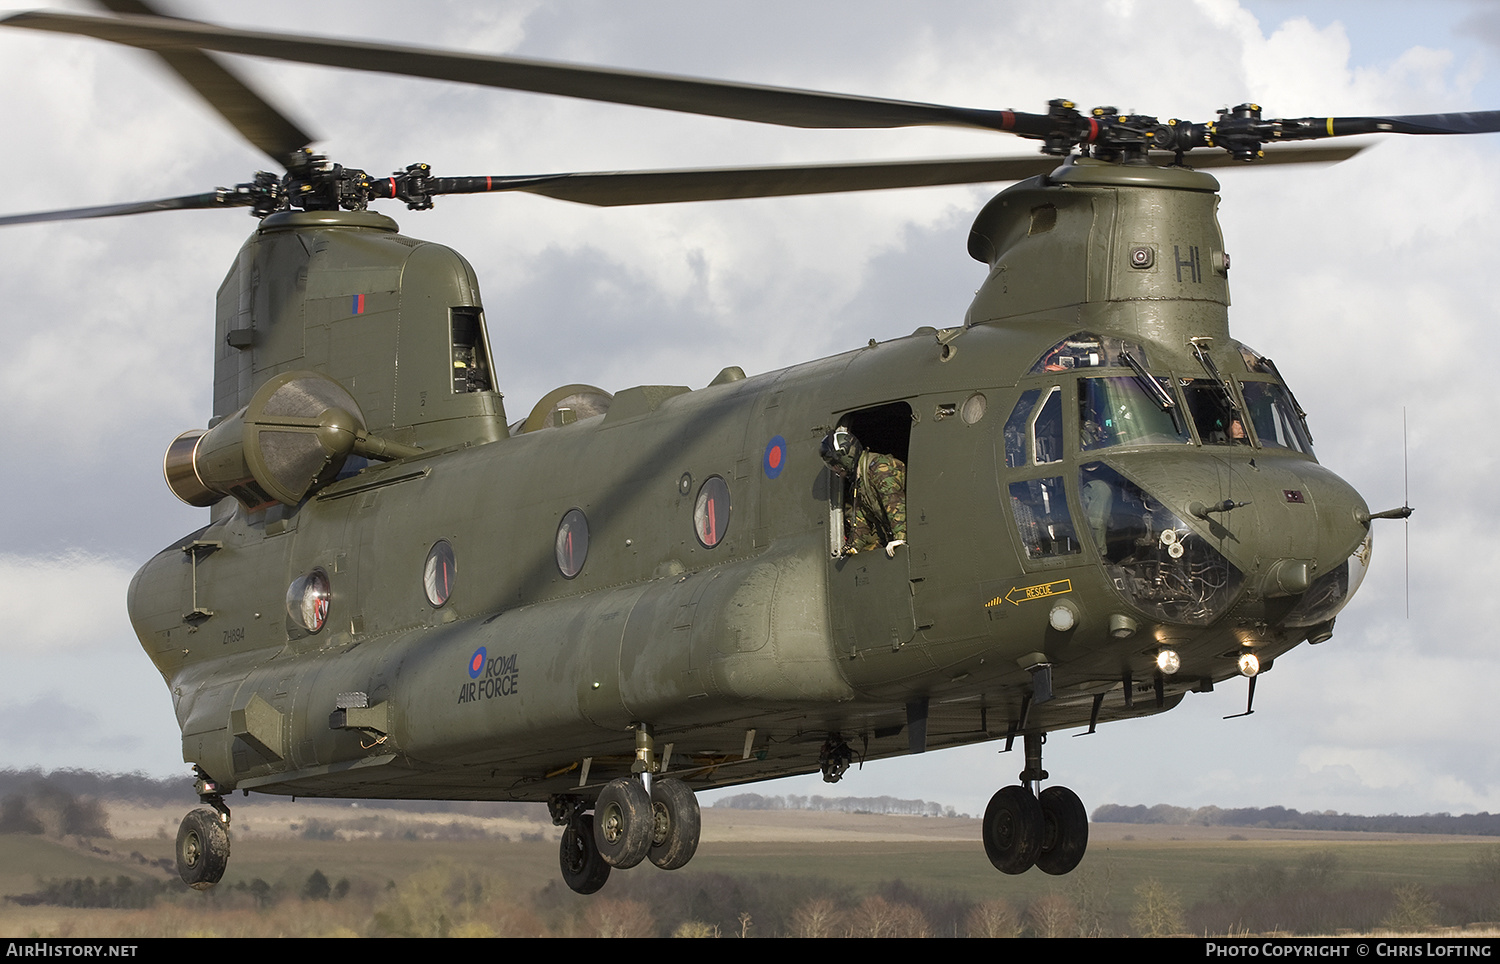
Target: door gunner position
875,512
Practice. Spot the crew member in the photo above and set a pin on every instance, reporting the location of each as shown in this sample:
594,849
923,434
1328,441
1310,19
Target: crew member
875,515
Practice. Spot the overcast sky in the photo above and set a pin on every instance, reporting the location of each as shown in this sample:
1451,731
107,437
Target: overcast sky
1367,282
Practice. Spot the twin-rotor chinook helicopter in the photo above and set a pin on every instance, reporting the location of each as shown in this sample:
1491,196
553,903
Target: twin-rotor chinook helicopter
620,599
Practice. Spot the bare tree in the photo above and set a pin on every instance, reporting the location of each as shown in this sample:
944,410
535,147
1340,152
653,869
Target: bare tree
878,917
1052,916
1092,884
1158,910
993,918
816,918
618,918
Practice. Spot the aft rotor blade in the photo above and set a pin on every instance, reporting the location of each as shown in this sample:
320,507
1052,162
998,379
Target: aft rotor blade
227,93
784,106
616,188
214,199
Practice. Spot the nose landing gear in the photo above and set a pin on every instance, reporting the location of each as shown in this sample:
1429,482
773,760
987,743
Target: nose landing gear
1049,831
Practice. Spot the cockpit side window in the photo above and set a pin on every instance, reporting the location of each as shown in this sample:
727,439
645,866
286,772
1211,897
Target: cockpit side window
1015,428
1040,507
1047,431
1041,425
1275,417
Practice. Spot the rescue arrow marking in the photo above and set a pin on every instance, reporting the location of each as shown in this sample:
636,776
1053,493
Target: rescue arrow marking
1019,594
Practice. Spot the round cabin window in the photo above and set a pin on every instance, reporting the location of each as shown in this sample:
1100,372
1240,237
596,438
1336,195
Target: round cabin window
711,514
307,600
437,573
572,543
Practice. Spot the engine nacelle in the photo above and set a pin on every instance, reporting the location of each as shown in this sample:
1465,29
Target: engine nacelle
292,438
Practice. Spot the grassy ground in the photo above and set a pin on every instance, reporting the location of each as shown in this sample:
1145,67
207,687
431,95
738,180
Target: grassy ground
514,865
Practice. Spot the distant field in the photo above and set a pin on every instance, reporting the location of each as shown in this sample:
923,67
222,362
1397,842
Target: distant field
282,843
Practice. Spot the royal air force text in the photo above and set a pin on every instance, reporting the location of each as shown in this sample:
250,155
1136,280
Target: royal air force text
500,678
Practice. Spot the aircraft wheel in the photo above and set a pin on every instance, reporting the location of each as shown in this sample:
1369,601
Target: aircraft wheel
622,823
1065,831
202,848
675,822
583,868
1013,830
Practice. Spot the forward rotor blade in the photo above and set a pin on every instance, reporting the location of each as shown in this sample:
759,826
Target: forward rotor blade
247,111
1301,154
787,107
616,188
214,199
1470,122
619,188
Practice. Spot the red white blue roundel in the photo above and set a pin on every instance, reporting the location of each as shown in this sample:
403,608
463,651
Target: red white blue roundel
476,663
775,457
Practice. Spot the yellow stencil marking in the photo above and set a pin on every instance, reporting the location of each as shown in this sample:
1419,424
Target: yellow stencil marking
1020,594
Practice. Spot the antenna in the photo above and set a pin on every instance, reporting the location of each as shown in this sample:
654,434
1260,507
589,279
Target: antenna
1406,504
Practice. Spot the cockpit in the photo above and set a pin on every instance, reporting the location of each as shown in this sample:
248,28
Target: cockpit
1151,534
1133,406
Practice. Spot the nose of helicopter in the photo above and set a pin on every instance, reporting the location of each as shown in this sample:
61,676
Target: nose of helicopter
1286,522
1283,531
1309,538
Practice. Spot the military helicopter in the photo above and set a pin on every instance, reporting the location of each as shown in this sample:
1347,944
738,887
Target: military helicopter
623,598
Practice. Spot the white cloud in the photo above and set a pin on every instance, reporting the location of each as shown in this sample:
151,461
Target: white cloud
68,604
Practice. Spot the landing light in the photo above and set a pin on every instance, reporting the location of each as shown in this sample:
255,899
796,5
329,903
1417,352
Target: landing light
1249,665
1168,661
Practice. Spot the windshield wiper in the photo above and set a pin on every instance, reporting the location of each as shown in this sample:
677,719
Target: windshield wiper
1154,388
1213,371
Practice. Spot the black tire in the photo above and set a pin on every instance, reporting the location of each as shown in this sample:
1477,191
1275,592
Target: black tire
1065,831
202,848
1013,830
675,823
622,823
583,869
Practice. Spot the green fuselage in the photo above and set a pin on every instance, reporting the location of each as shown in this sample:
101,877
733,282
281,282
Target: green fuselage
746,655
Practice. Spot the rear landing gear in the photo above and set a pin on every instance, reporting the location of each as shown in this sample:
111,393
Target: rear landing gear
634,818
622,823
1022,830
583,867
675,822
203,838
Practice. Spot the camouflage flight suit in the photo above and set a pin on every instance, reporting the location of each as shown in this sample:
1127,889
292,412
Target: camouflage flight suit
877,514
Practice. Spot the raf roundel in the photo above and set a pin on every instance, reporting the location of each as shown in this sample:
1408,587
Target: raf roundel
476,663
775,458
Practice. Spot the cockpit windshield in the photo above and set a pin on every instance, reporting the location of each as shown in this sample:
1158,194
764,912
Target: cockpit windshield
1120,411
1214,415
